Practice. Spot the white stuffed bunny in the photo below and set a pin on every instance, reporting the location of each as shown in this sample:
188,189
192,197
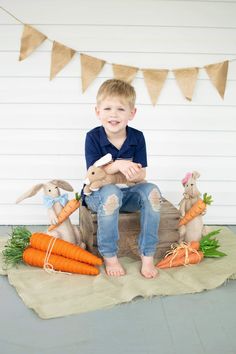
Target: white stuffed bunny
97,177
55,202
194,229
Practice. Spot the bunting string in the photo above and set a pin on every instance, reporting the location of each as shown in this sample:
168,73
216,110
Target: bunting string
91,66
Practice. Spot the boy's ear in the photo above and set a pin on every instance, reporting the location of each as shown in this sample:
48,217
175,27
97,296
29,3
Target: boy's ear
132,113
97,111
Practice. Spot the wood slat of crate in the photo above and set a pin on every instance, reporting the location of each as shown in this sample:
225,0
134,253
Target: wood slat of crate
129,228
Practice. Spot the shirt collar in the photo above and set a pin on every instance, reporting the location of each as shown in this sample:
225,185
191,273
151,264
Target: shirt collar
103,137
130,140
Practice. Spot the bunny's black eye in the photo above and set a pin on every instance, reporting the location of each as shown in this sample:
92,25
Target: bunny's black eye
191,184
93,173
49,190
187,185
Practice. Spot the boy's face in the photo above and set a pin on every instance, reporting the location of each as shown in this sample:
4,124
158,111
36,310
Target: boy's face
114,114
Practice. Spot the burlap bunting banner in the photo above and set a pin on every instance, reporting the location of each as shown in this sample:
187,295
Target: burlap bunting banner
154,80
61,55
218,75
90,68
30,40
123,72
186,79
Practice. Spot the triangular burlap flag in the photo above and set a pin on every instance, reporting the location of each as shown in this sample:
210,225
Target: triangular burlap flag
30,40
61,55
154,80
186,79
123,72
218,75
90,68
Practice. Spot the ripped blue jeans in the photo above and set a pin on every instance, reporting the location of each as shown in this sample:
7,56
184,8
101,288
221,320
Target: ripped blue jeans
108,201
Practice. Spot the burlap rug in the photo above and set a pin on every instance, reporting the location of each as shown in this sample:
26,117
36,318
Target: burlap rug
59,294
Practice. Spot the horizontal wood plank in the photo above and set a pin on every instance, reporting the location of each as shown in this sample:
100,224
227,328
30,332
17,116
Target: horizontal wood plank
11,67
140,39
71,167
24,214
145,13
82,116
68,90
161,143
222,193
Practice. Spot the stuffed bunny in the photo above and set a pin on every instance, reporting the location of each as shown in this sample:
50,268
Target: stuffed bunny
194,229
55,202
97,177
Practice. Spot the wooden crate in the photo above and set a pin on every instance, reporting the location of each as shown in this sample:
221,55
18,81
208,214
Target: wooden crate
129,228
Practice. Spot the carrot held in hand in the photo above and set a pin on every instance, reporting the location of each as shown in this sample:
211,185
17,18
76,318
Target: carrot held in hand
36,258
22,238
180,253
68,209
198,208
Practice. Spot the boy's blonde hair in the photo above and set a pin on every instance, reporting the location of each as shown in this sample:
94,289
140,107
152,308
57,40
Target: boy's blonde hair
114,87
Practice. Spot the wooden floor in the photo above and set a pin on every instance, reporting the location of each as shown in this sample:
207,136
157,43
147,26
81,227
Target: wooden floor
186,324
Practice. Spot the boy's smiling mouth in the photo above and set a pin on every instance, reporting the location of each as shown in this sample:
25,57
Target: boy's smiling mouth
113,122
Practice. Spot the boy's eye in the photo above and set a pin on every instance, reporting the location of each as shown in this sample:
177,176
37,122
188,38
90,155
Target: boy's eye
107,109
120,109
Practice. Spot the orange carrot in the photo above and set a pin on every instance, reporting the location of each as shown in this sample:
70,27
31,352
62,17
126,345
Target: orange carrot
197,209
63,248
68,209
193,258
22,238
36,258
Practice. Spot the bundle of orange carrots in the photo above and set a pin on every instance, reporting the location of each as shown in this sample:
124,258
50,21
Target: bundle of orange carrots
64,256
192,252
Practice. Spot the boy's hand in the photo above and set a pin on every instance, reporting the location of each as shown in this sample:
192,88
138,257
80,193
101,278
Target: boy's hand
129,169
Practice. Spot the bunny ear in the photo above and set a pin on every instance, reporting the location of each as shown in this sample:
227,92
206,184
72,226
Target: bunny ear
62,184
186,178
195,174
103,160
32,191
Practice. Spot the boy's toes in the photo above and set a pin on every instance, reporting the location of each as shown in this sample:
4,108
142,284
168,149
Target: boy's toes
148,270
113,267
114,272
148,274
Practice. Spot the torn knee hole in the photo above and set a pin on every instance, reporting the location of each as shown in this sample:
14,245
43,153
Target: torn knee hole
111,204
154,199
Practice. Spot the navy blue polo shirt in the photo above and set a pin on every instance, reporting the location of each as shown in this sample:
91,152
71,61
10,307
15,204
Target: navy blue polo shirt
97,145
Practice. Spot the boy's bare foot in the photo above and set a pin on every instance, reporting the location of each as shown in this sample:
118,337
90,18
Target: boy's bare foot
113,267
148,269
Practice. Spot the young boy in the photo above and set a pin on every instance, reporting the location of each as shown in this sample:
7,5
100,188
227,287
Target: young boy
115,108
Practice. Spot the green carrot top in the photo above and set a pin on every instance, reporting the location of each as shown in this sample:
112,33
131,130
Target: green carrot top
209,245
207,199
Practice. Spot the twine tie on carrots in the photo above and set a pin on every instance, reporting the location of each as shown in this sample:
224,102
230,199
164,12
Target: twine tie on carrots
48,267
175,248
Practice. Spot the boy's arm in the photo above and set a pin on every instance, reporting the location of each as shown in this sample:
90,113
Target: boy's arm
131,170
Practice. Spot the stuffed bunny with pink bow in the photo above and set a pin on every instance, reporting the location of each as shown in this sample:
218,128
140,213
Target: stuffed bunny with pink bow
54,201
194,229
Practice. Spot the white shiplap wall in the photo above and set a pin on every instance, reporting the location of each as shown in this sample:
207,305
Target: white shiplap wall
43,123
